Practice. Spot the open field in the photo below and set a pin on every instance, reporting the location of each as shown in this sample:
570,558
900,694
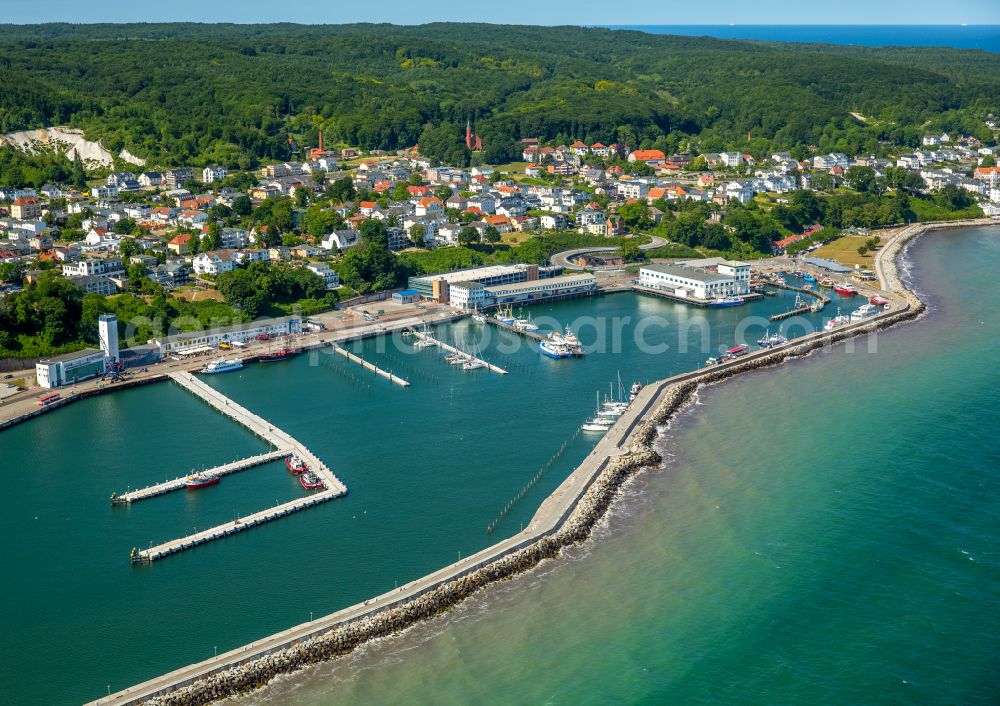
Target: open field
845,251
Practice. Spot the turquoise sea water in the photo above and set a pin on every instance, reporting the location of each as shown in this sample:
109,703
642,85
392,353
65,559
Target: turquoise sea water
429,467
823,532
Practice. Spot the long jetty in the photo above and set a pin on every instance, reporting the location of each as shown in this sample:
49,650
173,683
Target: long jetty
286,445
370,366
178,483
800,309
452,349
533,335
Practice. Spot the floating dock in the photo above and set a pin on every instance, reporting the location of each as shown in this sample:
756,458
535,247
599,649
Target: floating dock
370,366
178,483
800,309
533,335
333,487
451,349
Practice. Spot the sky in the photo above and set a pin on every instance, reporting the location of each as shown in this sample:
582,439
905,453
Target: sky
547,12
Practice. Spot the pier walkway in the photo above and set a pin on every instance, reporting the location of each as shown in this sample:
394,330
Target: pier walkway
452,349
178,483
533,335
370,366
333,487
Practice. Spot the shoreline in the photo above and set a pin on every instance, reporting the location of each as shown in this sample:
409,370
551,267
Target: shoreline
565,518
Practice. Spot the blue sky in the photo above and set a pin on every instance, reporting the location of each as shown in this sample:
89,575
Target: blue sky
547,12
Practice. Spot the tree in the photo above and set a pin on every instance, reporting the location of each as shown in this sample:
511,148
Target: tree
862,179
374,231
127,248
468,236
443,192
417,233
629,250
863,250
491,235
302,195
988,161
635,215
212,238
125,226
242,205
342,189
11,272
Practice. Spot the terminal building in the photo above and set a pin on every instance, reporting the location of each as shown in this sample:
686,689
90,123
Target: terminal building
195,342
474,295
699,279
438,287
82,365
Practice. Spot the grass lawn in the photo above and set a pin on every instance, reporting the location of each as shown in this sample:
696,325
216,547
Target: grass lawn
845,251
517,167
514,237
199,295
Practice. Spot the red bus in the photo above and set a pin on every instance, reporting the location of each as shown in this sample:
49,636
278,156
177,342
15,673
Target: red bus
46,400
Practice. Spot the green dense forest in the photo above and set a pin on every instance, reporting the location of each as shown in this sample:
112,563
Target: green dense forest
235,94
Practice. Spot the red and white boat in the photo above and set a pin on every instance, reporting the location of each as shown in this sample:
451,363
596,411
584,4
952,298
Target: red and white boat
310,481
280,354
200,480
878,300
296,464
845,288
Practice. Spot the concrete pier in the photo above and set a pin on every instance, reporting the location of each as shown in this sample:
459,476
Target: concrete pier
178,483
370,366
452,349
333,487
533,335
747,298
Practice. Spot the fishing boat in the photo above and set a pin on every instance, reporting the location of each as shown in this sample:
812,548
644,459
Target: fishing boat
295,464
811,279
221,366
845,288
479,317
771,339
713,361
505,316
725,301
527,325
808,287
826,282
280,354
878,300
863,312
634,390
200,480
555,348
817,306
838,320
310,481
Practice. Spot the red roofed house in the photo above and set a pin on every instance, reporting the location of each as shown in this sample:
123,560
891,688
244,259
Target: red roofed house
529,154
367,207
180,245
579,148
991,175
501,223
418,191
26,208
430,206
650,157
600,150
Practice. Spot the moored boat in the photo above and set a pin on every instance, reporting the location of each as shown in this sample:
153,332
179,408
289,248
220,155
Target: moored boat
725,301
310,481
838,320
863,312
200,480
826,282
845,288
295,464
280,354
221,366
634,390
878,300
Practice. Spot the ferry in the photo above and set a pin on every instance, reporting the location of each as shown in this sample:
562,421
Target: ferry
864,311
555,349
634,390
725,301
295,464
280,354
845,288
838,320
221,366
878,300
51,398
200,480
310,481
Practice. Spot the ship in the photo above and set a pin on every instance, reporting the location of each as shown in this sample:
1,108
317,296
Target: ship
200,480
295,464
725,301
221,366
878,300
310,481
771,339
838,320
561,345
280,354
863,312
845,288
634,390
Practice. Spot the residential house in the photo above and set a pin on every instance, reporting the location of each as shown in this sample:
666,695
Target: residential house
246,256
553,221
731,159
26,208
341,239
330,277
650,157
213,174
430,206
176,178
215,262
150,179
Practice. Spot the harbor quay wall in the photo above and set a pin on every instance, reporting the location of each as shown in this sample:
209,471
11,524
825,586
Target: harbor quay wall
566,517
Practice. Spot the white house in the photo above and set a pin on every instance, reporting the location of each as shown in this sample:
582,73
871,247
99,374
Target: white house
331,277
341,239
696,282
213,174
215,262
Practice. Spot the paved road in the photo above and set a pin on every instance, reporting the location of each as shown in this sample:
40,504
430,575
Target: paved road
561,259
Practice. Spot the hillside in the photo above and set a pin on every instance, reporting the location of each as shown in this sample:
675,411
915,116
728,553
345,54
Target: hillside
233,94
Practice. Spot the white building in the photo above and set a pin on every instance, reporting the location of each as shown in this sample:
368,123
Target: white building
215,262
70,368
107,330
93,268
194,342
730,278
213,174
330,277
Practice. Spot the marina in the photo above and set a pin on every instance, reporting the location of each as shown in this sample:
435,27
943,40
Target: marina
457,356
369,366
332,486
